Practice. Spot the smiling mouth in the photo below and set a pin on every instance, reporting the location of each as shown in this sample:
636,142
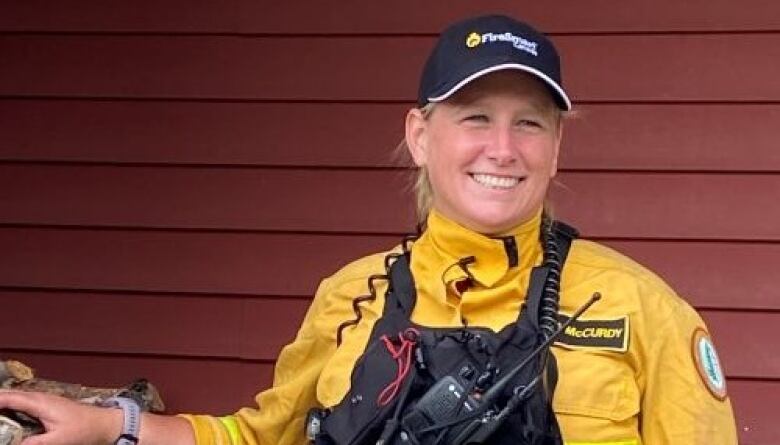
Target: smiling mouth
495,182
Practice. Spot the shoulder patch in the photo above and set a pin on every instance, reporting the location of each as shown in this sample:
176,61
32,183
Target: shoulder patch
610,334
708,364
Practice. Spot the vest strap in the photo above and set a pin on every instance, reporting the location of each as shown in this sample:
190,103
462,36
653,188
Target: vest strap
563,235
402,294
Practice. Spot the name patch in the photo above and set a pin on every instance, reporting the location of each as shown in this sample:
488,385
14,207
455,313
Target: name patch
610,334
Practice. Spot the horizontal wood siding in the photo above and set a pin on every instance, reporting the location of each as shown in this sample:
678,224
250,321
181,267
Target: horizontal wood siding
614,204
256,327
175,178
359,17
635,137
684,67
239,263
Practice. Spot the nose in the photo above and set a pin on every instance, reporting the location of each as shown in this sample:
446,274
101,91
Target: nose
501,148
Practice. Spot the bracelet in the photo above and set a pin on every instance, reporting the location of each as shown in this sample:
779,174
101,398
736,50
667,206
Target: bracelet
132,419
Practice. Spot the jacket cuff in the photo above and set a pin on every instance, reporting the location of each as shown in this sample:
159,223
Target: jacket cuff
212,430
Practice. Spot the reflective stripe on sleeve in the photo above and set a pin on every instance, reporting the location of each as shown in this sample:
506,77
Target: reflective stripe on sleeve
619,442
230,424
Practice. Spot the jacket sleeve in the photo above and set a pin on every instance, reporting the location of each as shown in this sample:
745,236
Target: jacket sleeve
685,399
279,417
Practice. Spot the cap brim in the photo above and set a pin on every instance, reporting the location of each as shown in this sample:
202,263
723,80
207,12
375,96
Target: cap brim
561,98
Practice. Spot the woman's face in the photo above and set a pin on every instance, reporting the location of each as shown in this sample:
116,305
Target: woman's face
490,150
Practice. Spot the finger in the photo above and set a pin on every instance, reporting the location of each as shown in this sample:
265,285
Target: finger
41,439
30,403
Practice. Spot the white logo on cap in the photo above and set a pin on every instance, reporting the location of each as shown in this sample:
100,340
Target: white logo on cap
516,41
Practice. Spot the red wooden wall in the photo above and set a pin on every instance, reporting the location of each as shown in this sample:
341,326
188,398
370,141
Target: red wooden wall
175,177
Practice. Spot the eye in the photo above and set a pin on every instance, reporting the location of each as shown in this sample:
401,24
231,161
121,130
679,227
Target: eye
532,123
476,118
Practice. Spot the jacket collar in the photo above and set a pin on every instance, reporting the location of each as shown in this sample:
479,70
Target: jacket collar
445,243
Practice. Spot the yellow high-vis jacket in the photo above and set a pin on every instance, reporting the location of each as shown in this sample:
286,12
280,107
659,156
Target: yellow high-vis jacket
638,367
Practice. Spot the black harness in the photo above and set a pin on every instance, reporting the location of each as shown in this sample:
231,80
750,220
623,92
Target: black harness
427,386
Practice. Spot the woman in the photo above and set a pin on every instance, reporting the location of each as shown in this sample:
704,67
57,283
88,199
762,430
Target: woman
638,367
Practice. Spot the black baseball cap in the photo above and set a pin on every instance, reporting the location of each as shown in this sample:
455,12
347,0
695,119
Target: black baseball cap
469,49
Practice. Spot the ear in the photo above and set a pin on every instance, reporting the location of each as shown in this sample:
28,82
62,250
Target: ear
416,136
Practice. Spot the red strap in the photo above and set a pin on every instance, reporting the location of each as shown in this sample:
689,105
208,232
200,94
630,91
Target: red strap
403,359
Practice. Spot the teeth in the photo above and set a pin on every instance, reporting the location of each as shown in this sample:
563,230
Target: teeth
499,182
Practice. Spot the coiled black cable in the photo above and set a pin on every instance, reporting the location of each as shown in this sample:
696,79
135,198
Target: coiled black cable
356,302
548,309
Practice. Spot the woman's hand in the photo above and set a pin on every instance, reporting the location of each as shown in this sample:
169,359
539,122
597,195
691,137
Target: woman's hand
66,422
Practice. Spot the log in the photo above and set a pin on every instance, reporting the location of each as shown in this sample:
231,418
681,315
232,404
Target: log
11,369
11,433
15,425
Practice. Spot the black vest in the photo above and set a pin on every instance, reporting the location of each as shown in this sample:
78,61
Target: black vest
424,386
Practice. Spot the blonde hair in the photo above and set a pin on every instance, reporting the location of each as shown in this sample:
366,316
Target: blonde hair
421,184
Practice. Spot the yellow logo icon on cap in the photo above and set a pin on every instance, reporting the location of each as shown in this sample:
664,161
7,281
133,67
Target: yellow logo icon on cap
473,40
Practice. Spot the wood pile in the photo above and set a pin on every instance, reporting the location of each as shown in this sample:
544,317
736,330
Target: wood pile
14,375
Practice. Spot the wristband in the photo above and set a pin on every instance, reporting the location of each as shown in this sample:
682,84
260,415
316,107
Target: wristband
131,427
